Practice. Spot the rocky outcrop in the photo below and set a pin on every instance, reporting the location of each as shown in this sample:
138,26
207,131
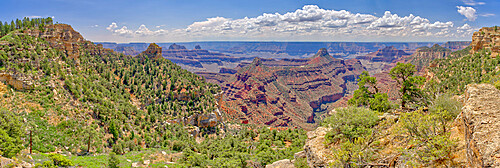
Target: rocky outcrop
126,50
216,78
63,37
289,92
18,81
285,163
15,163
153,52
387,54
425,55
193,60
176,47
228,71
456,45
486,38
481,117
316,152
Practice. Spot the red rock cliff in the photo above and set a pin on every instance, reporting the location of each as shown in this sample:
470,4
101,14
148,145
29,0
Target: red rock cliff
486,38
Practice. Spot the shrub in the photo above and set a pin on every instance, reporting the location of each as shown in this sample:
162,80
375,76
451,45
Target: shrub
10,134
428,136
301,163
113,161
350,123
60,160
497,84
445,109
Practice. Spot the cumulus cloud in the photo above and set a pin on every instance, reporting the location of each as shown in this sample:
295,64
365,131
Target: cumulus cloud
309,23
112,26
468,12
472,2
142,31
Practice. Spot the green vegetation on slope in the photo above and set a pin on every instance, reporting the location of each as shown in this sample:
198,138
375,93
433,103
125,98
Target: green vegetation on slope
106,98
454,73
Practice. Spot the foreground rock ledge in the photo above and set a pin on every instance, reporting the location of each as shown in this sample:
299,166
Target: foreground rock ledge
481,116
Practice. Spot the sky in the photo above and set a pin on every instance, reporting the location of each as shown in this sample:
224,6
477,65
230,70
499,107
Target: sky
126,21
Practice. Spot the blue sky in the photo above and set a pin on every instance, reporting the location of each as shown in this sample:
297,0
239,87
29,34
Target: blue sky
264,20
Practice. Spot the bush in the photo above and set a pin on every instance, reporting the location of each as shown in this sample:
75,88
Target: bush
445,107
497,84
428,135
60,160
48,163
113,161
352,129
350,123
301,163
118,148
10,134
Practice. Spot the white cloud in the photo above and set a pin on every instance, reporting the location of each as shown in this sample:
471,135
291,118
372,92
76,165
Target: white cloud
124,31
310,23
34,16
465,27
142,31
112,26
468,12
487,15
94,26
472,2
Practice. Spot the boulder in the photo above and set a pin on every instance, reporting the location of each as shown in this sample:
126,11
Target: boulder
298,155
285,163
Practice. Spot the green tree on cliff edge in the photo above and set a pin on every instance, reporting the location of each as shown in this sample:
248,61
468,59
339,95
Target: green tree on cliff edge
404,75
367,94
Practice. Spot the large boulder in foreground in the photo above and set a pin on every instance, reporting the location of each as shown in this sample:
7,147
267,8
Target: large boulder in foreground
481,117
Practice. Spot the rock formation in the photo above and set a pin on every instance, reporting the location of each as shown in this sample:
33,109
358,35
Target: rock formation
18,81
481,117
65,38
424,55
153,51
289,92
387,54
456,45
193,60
318,155
176,47
285,163
486,38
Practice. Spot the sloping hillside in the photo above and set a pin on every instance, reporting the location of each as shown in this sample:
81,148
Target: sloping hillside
68,90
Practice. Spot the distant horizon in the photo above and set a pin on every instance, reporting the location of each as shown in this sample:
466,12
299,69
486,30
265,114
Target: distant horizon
125,21
288,42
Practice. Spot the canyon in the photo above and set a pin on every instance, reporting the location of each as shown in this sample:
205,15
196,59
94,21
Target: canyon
289,92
